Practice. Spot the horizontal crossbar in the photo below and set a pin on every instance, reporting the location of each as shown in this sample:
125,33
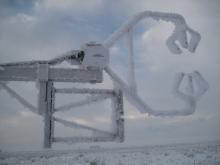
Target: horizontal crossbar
83,91
54,74
84,139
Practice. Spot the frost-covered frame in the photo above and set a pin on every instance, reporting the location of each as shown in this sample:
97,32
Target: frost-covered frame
96,95
92,60
45,76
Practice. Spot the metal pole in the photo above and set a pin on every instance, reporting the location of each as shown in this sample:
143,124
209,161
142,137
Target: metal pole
120,119
131,72
117,113
46,108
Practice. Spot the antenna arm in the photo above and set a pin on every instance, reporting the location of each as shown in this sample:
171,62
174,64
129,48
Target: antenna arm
179,32
190,99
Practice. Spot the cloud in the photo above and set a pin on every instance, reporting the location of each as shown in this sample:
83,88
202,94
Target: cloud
69,6
21,131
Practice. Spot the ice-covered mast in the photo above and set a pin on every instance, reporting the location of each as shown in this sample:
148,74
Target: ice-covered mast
179,35
91,60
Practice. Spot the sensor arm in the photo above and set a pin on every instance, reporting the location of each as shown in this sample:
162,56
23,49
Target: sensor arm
179,33
71,56
190,99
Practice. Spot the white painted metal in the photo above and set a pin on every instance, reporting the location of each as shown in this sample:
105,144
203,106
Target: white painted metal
117,133
189,100
179,34
95,55
47,105
131,71
30,73
72,124
176,19
86,101
117,115
91,61
83,91
19,98
43,72
83,139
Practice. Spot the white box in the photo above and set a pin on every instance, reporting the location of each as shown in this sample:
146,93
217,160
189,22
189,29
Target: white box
95,55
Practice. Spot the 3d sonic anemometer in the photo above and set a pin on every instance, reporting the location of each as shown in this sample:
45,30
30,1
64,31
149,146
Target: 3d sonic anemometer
91,61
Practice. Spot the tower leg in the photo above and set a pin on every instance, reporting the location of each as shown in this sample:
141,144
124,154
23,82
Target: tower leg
118,126
45,106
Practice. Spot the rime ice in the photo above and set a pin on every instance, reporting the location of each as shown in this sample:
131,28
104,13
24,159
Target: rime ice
90,63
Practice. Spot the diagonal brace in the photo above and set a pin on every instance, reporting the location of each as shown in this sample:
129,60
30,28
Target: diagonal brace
19,98
73,124
88,100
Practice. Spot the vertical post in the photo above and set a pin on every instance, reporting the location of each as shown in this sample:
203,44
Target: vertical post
118,121
52,111
48,122
45,108
121,113
131,72
46,103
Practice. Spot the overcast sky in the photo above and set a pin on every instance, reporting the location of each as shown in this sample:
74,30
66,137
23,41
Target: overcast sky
43,29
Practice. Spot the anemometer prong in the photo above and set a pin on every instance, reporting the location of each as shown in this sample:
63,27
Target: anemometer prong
201,83
90,62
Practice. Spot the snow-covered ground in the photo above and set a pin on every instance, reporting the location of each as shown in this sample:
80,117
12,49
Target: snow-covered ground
175,154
